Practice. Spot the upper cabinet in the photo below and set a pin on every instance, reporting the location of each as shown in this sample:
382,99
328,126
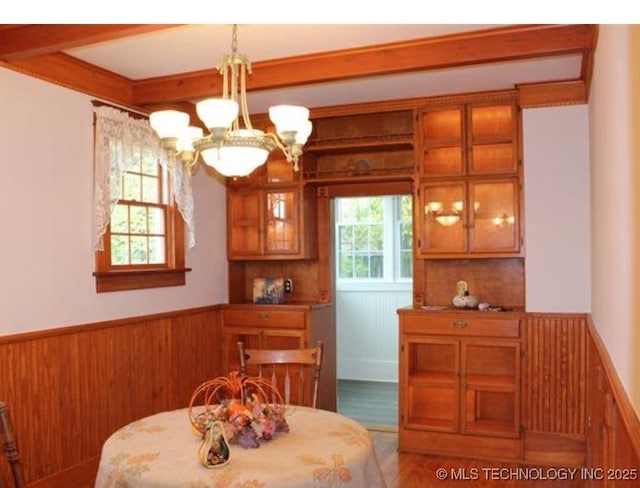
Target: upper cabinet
270,215
468,193
471,139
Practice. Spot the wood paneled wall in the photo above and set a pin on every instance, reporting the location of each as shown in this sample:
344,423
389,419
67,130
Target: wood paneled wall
69,389
613,438
554,388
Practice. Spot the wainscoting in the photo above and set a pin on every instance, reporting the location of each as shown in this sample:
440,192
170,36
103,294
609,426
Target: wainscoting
367,330
69,389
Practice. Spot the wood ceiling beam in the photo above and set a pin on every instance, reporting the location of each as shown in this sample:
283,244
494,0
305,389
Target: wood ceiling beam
470,48
78,75
23,41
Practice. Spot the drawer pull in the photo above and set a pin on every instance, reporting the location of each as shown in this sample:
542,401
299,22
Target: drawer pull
460,324
263,315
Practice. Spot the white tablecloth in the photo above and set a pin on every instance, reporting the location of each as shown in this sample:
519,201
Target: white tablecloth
322,449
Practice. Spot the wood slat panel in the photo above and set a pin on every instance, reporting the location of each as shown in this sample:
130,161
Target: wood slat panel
554,381
69,390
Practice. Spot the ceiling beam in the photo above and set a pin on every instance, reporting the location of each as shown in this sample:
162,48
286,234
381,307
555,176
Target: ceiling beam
470,48
78,75
28,40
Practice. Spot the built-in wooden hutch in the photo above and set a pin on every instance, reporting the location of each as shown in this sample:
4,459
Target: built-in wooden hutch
505,385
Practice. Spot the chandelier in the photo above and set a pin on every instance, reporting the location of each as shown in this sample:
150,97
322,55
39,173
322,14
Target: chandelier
230,148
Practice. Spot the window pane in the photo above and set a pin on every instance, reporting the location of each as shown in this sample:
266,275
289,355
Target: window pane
120,219
135,167
157,250
406,236
138,222
131,188
156,220
406,264
119,250
361,265
149,164
150,189
361,237
376,238
345,236
139,250
376,263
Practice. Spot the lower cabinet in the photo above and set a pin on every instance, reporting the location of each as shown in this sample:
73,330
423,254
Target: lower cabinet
283,327
460,384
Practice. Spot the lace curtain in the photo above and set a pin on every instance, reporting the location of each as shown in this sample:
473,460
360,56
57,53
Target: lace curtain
119,138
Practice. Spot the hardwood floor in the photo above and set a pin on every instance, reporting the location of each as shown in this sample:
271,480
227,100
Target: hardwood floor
404,470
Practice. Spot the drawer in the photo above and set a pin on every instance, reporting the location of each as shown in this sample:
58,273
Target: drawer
280,319
460,326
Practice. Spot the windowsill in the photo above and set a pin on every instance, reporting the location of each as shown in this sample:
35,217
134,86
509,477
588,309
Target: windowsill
138,279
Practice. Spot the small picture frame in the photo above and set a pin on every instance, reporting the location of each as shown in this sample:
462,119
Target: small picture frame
268,290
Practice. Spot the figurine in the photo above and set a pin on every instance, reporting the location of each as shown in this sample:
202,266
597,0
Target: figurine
463,299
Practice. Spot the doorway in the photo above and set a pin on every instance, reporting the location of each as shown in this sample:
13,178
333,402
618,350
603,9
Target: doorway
373,259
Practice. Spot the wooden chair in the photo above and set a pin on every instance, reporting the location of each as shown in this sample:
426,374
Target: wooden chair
297,371
10,447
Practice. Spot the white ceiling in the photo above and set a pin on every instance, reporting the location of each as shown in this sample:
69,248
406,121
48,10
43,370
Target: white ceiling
198,47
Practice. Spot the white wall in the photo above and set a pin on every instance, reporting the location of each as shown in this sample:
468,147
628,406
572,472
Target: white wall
614,112
46,260
557,209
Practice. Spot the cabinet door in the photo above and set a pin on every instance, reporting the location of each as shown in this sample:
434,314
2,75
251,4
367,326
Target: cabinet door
429,386
494,220
282,226
490,383
280,171
443,141
442,220
492,136
244,223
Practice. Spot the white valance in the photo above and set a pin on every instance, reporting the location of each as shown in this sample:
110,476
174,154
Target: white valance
118,139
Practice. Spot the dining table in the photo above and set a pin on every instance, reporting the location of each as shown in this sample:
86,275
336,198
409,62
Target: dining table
321,449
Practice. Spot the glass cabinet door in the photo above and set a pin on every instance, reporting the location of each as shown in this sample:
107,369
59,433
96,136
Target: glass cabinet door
443,218
492,136
443,142
494,223
244,212
281,232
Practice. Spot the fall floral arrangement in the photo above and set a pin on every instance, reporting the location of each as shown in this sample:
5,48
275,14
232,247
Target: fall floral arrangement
250,409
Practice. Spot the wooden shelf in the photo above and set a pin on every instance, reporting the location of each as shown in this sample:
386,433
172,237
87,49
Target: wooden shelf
356,144
389,174
491,382
432,378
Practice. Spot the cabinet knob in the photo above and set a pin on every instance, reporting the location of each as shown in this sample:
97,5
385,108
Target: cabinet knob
460,324
263,315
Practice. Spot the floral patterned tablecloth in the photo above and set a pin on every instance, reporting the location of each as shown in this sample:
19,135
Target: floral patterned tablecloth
322,449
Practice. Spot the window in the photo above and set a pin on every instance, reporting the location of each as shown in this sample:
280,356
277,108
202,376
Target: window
374,239
143,239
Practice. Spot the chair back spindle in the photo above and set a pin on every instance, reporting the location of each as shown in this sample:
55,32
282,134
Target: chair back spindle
10,447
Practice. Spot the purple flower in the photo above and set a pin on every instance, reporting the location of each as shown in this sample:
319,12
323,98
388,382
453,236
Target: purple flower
248,438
